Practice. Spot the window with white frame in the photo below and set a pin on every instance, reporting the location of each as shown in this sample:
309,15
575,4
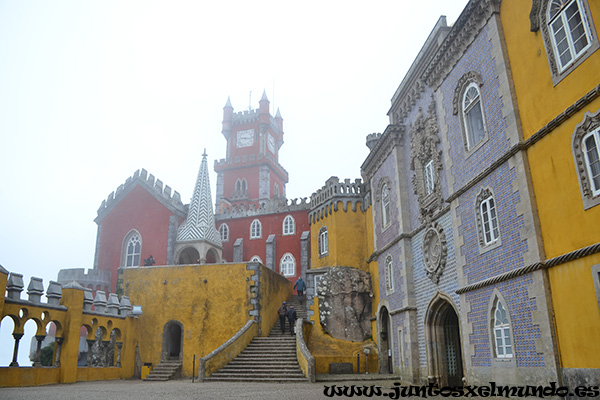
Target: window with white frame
389,270
474,123
133,250
429,177
585,144
591,152
569,31
385,206
323,241
224,231
501,328
255,230
289,225
489,220
287,266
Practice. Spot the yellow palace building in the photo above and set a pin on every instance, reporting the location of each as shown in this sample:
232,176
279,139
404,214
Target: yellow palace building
552,47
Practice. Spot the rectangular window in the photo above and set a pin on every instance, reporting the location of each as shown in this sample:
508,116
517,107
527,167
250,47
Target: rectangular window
592,159
429,178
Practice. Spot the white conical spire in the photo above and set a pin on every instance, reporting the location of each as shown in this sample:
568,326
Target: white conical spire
200,221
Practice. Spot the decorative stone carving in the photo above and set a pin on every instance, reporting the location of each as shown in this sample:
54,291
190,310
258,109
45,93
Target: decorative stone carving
345,303
423,149
471,76
590,123
434,251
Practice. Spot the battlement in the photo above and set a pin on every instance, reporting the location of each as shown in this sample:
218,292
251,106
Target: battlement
242,117
325,200
93,277
372,140
155,186
238,161
35,290
272,206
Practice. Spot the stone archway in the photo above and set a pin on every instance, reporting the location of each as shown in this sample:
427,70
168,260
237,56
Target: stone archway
384,332
211,256
189,255
443,343
172,343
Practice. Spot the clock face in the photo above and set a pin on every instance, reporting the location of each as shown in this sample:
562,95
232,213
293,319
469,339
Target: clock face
245,138
271,143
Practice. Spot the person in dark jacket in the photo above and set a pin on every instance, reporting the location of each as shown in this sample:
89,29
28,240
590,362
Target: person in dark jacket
282,312
292,317
300,286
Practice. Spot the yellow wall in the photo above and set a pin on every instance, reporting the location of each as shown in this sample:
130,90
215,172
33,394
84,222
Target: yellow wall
576,312
212,302
327,349
349,238
565,225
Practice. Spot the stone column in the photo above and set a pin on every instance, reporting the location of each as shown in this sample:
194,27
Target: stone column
271,261
90,343
38,353
59,342
17,337
105,360
238,250
304,253
119,347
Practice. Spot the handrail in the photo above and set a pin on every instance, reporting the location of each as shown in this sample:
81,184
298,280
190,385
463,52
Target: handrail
227,351
305,359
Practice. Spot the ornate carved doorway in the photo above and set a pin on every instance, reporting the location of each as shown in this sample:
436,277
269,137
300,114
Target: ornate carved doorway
443,344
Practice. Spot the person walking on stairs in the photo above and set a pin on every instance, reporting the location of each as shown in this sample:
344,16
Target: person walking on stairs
292,317
300,286
282,311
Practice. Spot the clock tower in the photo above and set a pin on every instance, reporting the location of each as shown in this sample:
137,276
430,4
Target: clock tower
250,174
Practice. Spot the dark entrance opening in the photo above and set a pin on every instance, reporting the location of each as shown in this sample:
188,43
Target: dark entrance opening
172,340
385,357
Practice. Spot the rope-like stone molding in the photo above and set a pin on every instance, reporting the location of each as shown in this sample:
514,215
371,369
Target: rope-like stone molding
574,255
549,127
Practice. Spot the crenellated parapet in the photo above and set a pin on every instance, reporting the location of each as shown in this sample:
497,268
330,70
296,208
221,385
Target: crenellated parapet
271,206
326,200
241,161
163,193
35,290
93,277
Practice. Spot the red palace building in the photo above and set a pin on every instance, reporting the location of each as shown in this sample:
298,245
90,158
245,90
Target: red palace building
144,222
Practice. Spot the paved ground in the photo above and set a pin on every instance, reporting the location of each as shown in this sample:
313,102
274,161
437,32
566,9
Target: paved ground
179,389
185,389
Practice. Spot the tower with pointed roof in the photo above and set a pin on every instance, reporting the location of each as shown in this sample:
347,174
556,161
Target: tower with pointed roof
198,241
250,174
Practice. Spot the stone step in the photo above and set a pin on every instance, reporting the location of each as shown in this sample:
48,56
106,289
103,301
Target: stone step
255,379
257,375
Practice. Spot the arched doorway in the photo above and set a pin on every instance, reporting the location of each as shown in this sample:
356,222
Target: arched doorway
172,341
385,357
443,343
189,255
211,257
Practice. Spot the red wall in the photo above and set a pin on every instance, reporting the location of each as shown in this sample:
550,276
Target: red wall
271,224
141,211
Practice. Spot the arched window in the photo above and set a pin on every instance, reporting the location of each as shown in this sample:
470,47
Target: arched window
591,146
287,266
289,225
255,230
385,206
489,220
224,231
428,173
323,242
501,327
132,249
474,123
569,31
389,270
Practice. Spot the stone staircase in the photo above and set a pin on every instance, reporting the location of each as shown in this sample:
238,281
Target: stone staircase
267,359
164,371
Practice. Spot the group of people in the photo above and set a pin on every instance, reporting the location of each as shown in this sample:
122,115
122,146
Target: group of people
289,312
